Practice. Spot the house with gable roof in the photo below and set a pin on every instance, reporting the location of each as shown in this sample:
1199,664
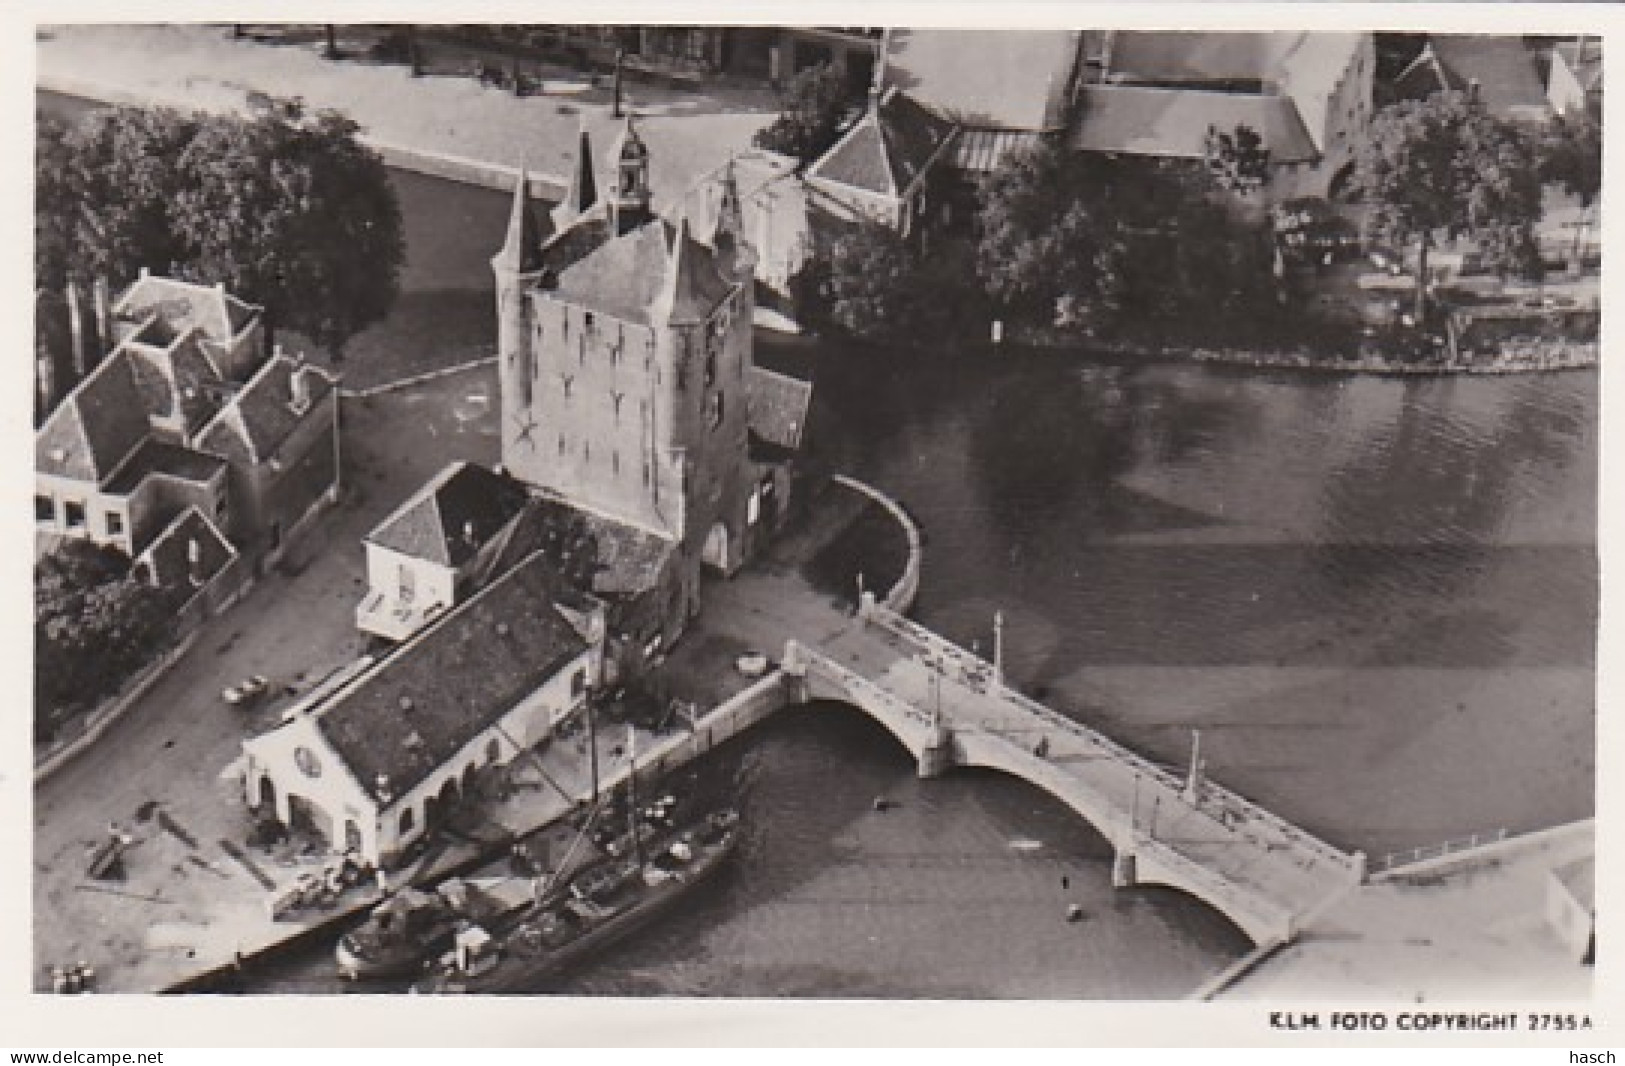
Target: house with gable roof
426,555
374,763
187,418
881,167
1499,70
1574,78
1144,93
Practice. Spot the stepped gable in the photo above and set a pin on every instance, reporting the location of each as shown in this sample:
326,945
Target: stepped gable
96,427
421,706
452,517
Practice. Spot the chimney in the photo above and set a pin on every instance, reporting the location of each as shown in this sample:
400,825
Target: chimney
76,327
194,561
104,315
380,786
468,532
300,387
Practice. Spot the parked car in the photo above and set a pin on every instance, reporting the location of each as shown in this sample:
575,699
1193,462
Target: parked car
246,692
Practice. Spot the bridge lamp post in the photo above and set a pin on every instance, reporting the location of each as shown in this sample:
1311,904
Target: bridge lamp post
1193,779
998,648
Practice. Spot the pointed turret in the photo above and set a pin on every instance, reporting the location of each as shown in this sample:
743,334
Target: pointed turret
631,198
522,251
582,194
734,255
692,287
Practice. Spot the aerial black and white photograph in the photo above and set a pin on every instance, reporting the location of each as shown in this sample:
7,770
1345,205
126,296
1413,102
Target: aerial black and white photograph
818,512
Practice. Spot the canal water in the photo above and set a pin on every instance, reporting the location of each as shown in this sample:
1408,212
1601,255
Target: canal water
1375,598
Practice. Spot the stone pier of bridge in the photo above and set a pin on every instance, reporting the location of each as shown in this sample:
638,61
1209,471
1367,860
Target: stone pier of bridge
950,708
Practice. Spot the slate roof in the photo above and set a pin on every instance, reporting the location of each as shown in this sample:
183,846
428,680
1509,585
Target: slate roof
452,517
778,408
253,425
168,557
1191,57
96,427
1135,120
1584,60
155,456
629,559
1010,79
630,277
888,149
184,305
445,687
178,381
1502,68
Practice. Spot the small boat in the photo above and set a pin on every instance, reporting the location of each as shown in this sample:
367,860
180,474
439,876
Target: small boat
413,927
603,904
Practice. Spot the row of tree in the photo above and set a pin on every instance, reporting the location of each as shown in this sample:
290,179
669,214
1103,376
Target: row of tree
95,624
1098,247
288,209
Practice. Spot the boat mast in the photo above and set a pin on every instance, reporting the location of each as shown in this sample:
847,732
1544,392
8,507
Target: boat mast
592,741
632,791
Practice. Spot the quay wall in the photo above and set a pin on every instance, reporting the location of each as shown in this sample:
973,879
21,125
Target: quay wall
900,597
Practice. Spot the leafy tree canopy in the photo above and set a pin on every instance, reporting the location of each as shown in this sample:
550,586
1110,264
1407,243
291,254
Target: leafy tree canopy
1086,243
871,282
1238,160
1571,156
1445,168
95,623
289,210
810,110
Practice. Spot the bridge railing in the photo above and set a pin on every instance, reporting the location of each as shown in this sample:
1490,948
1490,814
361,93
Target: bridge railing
971,667
797,653
1396,859
1227,802
1237,898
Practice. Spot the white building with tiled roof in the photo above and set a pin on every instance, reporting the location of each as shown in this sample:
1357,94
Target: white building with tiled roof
186,411
374,762
421,559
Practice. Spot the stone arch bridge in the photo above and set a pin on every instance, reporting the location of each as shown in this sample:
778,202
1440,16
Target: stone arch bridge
950,708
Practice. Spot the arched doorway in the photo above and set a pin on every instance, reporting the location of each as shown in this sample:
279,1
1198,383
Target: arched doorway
265,802
1341,189
715,552
306,817
437,807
